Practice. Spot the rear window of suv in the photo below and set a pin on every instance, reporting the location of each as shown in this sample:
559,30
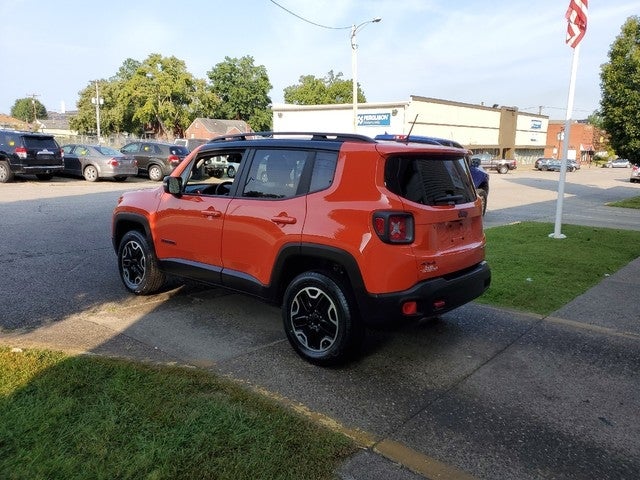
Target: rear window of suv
179,150
39,143
433,180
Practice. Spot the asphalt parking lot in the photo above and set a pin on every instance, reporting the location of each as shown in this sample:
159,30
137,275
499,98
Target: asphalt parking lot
481,393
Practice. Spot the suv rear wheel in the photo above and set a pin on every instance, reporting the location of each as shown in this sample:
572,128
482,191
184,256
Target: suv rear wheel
6,175
138,265
319,320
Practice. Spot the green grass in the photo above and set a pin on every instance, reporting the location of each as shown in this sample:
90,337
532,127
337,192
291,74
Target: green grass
96,418
535,273
633,202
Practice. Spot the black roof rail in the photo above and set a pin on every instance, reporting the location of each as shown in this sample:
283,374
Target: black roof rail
320,136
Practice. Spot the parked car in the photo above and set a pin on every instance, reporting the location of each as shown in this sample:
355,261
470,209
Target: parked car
635,174
94,162
223,165
156,159
556,165
541,162
618,163
29,153
478,174
342,232
489,162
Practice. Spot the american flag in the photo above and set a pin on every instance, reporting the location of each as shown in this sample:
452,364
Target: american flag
577,18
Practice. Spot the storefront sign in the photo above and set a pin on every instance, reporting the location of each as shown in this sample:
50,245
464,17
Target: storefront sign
367,119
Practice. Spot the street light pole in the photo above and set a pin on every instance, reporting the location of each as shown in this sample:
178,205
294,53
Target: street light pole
354,67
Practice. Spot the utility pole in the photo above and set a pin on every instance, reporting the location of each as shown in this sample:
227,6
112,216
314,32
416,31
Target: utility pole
97,101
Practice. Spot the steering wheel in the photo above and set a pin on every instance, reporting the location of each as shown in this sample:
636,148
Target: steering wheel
223,188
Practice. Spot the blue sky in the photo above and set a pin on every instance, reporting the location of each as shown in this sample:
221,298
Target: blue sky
501,52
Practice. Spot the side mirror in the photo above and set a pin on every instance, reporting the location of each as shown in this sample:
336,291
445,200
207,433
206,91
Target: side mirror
172,185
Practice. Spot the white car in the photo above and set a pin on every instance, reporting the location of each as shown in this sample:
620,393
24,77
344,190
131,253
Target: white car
618,163
635,174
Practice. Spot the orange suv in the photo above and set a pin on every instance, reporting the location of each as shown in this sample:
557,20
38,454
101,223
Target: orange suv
340,230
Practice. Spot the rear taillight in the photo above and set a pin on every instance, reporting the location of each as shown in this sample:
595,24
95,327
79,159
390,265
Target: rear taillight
21,152
174,160
114,162
394,227
61,153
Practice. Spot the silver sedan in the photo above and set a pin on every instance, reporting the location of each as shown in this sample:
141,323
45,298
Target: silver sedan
94,162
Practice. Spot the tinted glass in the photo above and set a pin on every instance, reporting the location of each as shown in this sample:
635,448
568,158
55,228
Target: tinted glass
179,150
324,168
430,180
275,173
40,143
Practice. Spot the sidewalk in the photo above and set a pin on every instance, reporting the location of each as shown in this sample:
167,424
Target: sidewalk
611,307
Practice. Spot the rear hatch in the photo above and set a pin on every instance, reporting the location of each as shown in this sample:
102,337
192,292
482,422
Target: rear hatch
42,150
437,189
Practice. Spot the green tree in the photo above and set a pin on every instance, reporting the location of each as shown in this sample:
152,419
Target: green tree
161,91
26,108
242,89
331,89
620,85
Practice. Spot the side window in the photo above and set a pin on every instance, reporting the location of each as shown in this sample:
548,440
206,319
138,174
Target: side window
324,168
67,149
132,148
275,173
204,175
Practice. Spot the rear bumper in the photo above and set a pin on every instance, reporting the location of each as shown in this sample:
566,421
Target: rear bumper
433,297
37,169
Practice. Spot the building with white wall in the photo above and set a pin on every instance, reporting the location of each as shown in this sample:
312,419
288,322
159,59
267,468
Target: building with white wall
502,131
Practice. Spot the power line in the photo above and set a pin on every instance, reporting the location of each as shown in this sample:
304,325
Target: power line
308,21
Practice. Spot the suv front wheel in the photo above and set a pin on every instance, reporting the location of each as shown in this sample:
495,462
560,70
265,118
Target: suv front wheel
138,265
319,320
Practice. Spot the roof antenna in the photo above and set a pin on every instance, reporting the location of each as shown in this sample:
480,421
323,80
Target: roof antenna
413,124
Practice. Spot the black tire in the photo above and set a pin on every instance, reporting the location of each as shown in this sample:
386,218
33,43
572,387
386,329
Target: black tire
231,171
320,319
503,169
138,265
90,173
6,175
44,176
482,193
119,179
155,173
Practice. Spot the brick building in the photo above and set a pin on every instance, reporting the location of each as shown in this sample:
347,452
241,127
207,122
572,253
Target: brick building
207,128
585,140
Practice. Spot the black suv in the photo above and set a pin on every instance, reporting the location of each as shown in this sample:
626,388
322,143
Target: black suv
154,158
29,153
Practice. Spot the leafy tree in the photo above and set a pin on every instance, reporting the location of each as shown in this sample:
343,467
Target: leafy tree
243,92
155,96
24,109
161,91
620,85
331,89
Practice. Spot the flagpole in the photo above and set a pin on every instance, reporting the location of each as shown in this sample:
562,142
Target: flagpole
565,147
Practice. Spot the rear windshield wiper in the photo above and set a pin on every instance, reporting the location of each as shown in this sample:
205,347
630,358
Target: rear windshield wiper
449,199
